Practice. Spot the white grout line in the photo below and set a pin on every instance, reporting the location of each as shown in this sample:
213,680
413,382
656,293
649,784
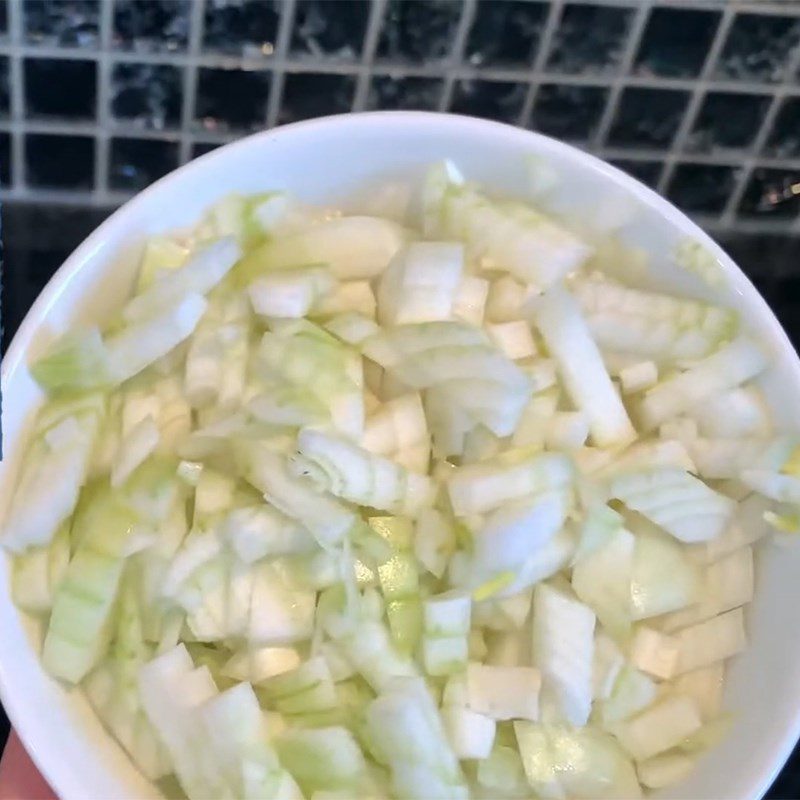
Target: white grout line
543,53
451,70
189,80
278,63
632,44
17,87
699,93
103,115
448,70
459,71
377,10
753,160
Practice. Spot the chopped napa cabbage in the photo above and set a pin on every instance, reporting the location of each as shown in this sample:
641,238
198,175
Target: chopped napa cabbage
564,762
649,324
75,362
664,577
290,293
337,503
581,367
420,283
563,649
477,488
676,501
714,640
356,475
602,580
79,629
659,728
508,236
727,368
470,300
353,248
503,693
55,468
405,721
654,653
201,273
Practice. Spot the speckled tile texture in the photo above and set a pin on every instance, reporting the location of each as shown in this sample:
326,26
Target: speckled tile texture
701,100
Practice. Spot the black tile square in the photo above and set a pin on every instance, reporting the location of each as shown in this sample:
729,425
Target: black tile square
5,88
148,95
489,99
757,47
59,162
308,94
3,21
771,193
418,30
136,163
505,33
648,172
201,148
701,188
784,138
63,89
727,120
232,99
64,23
5,159
151,25
404,94
675,42
568,112
647,117
329,30
589,39
245,27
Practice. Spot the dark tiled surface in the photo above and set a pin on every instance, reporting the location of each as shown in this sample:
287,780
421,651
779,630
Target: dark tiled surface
589,39
419,94
675,42
648,172
232,99
201,148
418,30
758,47
727,120
784,138
648,117
5,159
306,95
5,89
768,194
327,29
244,28
136,163
59,162
568,112
60,89
69,23
151,25
500,101
505,33
701,188
148,95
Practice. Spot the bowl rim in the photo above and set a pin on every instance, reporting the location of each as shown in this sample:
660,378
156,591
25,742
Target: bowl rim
46,759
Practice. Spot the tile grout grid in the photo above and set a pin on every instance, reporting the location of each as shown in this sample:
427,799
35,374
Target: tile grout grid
527,90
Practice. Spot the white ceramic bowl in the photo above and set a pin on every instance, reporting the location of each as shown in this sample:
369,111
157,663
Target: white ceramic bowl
325,160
